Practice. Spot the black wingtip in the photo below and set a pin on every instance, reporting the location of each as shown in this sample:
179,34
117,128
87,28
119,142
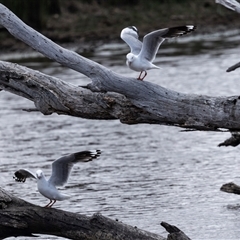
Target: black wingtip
19,177
186,28
179,31
87,155
96,153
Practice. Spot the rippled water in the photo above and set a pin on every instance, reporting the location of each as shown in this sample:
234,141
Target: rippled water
147,173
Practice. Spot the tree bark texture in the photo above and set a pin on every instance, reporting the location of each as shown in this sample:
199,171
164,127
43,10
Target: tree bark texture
21,218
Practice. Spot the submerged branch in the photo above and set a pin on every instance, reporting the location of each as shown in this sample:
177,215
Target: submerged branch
230,188
233,141
232,68
175,232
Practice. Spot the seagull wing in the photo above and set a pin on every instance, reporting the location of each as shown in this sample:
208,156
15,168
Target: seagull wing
153,40
134,43
22,174
62,167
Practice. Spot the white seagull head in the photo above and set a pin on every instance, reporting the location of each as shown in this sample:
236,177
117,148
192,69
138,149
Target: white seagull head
39,174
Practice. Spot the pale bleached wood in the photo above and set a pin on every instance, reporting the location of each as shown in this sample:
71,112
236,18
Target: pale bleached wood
159,105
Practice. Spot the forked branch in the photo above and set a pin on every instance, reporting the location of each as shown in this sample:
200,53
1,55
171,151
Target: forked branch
109,95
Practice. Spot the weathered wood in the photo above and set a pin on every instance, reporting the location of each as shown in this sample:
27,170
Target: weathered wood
233,141
233,67
175,232
158,105
21,218
51,95
230,188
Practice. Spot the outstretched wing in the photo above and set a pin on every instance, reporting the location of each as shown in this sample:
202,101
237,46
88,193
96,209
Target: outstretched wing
153,40
62,167
22,174
130,36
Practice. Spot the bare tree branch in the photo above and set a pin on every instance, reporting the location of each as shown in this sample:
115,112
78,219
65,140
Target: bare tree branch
112,96
230,188
233,141
138,102
233,67
235,6
175,232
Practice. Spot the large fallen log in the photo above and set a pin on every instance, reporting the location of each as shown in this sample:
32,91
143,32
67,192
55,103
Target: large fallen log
21,218
117,97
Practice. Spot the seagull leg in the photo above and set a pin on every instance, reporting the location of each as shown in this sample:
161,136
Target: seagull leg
141,78
53,201
48,204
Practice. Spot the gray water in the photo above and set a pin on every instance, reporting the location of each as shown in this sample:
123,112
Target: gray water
146,173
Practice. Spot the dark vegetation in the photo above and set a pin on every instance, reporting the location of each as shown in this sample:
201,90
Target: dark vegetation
83,21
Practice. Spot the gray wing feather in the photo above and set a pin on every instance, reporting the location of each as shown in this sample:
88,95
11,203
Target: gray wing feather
153,40
151,44
61,168
22,174
134,43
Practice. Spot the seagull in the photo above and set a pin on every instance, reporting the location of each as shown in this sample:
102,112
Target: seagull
61,169
143,53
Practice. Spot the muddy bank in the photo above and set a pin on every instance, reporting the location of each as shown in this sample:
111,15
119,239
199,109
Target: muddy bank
85,24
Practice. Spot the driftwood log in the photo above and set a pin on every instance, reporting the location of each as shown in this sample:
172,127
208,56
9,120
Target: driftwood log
21,218
109,95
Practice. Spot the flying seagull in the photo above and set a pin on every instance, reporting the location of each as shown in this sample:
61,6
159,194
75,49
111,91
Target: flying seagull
143,53
61,169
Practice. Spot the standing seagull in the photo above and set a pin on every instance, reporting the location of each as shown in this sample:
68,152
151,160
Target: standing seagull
143,53
61,169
